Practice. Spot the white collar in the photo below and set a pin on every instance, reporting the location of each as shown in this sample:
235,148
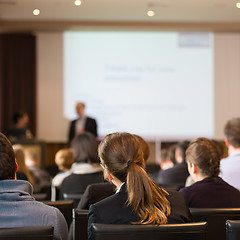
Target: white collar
118,190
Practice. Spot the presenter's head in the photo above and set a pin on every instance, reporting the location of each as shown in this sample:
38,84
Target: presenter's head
80,109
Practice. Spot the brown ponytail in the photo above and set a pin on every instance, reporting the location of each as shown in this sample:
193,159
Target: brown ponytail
122,155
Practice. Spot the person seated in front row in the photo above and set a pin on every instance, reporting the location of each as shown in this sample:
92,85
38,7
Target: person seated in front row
18,208
98,191
209,190
138,199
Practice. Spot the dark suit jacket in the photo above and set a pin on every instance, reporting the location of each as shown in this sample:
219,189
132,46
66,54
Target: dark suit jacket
93,193
211,193
96,192
90,126
114,210
176,175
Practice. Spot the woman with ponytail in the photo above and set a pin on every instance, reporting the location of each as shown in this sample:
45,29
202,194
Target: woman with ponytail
138,200
209,190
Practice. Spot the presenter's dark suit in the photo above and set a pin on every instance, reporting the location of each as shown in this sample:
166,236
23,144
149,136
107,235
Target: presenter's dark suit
90,126
114,210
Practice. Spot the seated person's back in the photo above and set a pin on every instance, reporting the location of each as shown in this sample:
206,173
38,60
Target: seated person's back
64,160
176,175
209,190
86,168
138,198
18,208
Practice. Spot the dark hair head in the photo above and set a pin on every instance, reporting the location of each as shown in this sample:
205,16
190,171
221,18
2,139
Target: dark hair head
232,132
181,148
204,153
171,153
122,155
116,150
18,115
7,159
84,148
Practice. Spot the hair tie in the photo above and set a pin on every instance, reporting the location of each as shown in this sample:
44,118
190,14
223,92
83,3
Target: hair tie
129,162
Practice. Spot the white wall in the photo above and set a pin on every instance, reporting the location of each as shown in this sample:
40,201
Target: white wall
227,79
51,125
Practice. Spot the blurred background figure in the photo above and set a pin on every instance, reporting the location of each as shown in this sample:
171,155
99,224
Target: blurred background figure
42,177
23,172
177,175
82,124
86,168
19,130
64,160
165,161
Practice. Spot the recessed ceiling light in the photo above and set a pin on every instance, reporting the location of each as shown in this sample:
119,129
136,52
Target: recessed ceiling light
238,4
36,12
150,13
77,2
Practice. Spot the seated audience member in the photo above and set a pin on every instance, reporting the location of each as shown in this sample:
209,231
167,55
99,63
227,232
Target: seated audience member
220,149
177,175
138,199
18,208
99,191
230,166
64,160
23,172
165,161
20,130
209,190
86,168
42,177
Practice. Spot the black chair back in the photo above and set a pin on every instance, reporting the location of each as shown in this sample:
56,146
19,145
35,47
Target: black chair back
73,196
233,229
216,219
185,231
65,208
80,224
27,233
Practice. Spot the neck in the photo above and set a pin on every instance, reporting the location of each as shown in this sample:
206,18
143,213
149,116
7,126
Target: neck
117,182
232,149
199,177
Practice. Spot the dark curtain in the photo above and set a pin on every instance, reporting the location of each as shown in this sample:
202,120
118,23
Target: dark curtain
17,78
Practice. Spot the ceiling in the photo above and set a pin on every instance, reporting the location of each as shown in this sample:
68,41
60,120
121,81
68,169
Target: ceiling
201,11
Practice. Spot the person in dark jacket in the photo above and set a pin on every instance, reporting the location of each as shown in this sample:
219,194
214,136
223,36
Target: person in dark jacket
137,199
82,124
209,190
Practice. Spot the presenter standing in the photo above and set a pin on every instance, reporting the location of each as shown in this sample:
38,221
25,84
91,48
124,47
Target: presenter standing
82,124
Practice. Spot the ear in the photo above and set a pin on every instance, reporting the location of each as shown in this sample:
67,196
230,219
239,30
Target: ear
227,142
110,177
194,168
16,166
